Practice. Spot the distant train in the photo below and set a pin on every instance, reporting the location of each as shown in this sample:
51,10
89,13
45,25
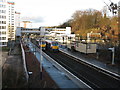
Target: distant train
49,45
52,45
43,45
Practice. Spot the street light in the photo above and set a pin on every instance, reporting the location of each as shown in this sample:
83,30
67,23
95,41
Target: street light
41,58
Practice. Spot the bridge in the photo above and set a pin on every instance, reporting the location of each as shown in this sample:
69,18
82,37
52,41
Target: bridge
57,33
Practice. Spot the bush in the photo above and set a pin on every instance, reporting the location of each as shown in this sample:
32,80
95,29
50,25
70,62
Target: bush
5,48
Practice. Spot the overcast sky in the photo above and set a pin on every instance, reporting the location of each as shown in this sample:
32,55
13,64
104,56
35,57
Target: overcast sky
54,12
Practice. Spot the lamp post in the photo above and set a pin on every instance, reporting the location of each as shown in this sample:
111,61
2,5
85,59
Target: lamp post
41,58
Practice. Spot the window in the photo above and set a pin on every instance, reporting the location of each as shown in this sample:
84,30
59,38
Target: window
3,38
4,32
2,6
4,43
2,17
2,22
2,11
2,27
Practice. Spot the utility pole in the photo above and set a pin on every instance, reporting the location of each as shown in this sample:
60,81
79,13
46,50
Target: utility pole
41,58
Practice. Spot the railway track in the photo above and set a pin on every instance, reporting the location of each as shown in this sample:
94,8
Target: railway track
91,76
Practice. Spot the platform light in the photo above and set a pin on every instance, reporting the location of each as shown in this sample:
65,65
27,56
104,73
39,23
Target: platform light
41,58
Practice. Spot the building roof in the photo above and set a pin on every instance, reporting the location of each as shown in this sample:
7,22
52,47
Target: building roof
12,3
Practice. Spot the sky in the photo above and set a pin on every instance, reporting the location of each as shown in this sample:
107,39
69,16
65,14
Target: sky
54,12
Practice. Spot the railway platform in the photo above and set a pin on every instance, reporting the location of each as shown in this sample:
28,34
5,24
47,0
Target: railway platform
59,77
35,79
114,69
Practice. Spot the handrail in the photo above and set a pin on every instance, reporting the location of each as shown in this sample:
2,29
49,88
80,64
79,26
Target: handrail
24,63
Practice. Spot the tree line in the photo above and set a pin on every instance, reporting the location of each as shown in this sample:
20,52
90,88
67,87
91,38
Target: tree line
91,20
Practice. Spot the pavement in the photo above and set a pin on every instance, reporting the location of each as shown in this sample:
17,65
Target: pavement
13,75
114,69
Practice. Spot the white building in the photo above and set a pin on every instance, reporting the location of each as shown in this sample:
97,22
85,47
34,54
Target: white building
65,31
3,23
60,34
11,20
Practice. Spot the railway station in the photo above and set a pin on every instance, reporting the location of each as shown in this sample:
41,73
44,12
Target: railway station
55,64
80,53
63,67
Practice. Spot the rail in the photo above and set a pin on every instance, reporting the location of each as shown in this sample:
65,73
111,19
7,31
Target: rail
75,79
102,72
109,73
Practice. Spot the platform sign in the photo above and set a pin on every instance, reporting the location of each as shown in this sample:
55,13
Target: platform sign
113,54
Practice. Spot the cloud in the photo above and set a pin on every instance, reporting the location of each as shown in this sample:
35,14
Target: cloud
33,19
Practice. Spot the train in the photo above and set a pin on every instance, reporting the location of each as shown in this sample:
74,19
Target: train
52,45
49,45
43,45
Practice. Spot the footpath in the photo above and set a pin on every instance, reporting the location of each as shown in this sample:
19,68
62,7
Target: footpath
13,75
33,66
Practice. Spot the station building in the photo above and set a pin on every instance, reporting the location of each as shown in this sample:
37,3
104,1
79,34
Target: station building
60,34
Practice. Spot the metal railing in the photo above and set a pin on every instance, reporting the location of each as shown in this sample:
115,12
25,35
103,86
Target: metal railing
24,63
